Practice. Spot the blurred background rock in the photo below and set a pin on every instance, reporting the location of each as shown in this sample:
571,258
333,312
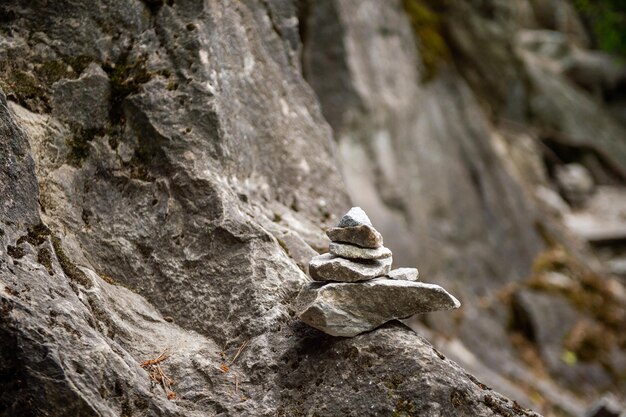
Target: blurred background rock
487,141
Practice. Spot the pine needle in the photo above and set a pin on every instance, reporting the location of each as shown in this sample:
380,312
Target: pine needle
157,375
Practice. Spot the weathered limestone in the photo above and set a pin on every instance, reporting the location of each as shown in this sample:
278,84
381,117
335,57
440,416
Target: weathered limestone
364,235
407,274
329,267
354,217
356,252
342,309
357,296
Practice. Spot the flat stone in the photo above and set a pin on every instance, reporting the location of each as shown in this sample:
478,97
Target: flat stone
354,217
347,309
84,101
404,274
328,267
364,235
346,250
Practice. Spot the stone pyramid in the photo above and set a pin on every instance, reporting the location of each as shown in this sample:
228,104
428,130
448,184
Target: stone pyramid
356,290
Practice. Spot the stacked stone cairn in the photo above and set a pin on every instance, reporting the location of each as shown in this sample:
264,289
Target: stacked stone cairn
355,290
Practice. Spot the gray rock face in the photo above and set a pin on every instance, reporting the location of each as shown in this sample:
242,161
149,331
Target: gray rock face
357,252
18,186
364,236
442,388
85,101
328,267
177,196
347,309
354,217
408,274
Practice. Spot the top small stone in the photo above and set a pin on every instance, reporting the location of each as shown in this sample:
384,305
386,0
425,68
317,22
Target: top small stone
354,217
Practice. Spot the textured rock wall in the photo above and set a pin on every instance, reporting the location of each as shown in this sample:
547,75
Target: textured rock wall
168,168
166,176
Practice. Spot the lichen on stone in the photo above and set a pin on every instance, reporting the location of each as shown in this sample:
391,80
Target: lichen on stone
45,259
31,87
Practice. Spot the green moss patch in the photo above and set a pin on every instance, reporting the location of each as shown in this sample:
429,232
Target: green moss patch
15,252
427,28
69,268
78,144
607,20
405,408
126,79
44,258
31,87
36,235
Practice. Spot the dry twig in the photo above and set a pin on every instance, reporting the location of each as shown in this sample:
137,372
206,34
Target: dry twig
225,367
157,375
163,356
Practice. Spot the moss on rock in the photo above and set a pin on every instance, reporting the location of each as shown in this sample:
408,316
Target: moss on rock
31,87
426,25
69,268
126,79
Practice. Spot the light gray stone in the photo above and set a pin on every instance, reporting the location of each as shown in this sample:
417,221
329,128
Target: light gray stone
345,250
364,235
347,309
575,182
404,274
328,267
354,217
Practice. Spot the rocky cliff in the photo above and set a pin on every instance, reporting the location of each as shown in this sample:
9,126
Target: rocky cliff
169,167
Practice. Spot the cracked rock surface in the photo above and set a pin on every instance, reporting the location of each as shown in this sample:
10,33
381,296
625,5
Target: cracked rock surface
363,235
347,309
357,252
329,267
